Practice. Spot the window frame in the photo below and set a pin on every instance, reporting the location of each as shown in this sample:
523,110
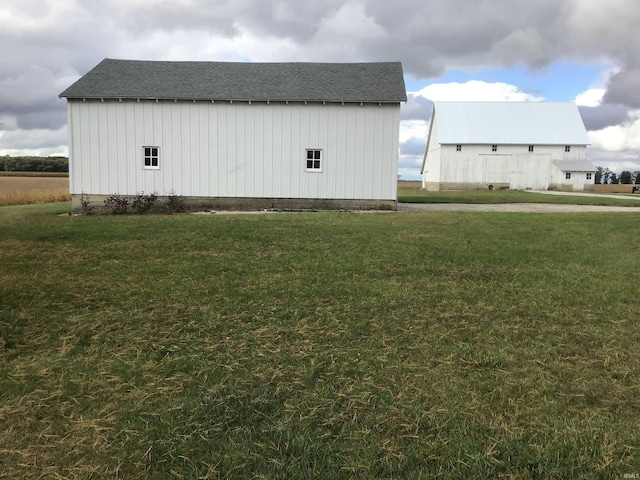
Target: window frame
458,148
589,175
567,175
315,159
151,153
531,148
494,148
567,148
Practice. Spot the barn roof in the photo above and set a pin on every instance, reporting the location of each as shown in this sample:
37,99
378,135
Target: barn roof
332,82
575,165
509,123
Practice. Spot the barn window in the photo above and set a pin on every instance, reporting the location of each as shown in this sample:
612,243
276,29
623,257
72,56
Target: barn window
567,175
151,157
531,148
494,148
314,160
588,176
458,148
567,148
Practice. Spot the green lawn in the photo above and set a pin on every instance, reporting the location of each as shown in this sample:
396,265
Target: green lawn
414,195
319,345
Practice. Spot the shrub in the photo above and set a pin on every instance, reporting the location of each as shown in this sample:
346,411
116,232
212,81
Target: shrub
85,205
142,203
117,204
176,203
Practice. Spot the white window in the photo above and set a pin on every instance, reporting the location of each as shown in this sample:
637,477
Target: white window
458,148
151,157
588,176
567,175
314,160
494,148
531,148
567,148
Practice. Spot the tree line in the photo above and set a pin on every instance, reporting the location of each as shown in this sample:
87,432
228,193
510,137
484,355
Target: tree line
606,176
34,164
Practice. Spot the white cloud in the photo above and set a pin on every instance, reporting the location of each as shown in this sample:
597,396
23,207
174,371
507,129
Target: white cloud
475,90
618,138
590,98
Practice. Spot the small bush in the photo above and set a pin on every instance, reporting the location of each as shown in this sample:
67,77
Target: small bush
142,203
85,204
176,203
117,204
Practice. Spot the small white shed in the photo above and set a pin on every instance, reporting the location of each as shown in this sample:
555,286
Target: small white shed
516,145
237,135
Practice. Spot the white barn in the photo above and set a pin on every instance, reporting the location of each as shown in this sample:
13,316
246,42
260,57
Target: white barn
237,135
516,145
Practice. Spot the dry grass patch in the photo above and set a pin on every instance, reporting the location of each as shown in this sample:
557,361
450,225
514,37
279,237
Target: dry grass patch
22,190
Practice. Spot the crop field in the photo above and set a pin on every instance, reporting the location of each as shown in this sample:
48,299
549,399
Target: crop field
22,189
319,345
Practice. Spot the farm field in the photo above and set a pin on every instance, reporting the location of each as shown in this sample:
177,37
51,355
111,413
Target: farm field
24,189
319,345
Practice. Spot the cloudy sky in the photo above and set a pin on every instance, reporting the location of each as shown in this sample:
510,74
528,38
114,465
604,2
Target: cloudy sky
587,51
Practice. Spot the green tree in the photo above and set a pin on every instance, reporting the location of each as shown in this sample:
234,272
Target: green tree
599,172
613,179
636,177
625,177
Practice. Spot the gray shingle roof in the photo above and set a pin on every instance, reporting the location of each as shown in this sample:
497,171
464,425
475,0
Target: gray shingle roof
331,82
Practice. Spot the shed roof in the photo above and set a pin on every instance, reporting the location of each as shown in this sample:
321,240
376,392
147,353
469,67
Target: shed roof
509,123
332,82
575,165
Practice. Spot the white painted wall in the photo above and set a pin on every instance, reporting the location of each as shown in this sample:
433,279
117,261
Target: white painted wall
512,164
252,150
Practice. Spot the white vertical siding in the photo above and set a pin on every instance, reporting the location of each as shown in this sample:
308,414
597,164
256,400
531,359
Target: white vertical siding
512,164
234,150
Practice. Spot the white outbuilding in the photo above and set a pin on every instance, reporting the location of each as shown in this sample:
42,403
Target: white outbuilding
516,145
237,135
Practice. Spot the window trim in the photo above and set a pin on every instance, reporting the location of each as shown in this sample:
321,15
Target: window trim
531,148
151,152
316,159
567,175
567,148
494,148
458,148
589,175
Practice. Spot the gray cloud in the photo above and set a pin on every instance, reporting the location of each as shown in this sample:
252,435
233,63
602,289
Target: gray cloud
413,146
416,108
605,115
624,88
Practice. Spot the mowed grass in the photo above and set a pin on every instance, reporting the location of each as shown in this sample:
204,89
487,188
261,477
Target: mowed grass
22,188
416,195
319,345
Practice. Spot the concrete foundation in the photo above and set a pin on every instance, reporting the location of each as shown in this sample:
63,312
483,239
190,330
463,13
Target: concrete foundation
195,204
